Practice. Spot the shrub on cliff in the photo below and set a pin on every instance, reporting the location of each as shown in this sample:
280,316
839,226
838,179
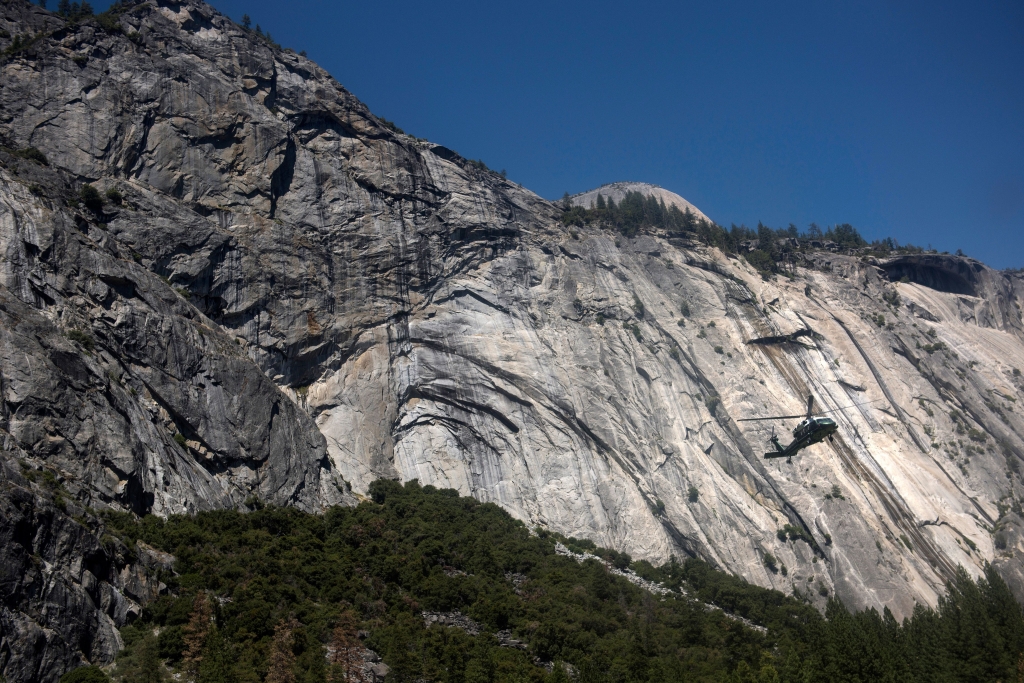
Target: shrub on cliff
91,197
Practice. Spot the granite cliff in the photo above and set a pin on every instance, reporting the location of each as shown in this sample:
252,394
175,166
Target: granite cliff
276,297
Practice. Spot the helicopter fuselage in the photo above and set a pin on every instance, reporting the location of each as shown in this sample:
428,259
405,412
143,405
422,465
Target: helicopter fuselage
810,431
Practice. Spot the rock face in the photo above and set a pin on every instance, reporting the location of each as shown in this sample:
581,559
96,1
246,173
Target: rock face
290,299
618,191
65,588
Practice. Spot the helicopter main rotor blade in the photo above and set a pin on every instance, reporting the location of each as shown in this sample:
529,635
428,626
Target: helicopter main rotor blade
835,410
821,412
810,405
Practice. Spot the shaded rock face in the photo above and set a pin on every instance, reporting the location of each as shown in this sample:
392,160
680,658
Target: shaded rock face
65,588
939,271
176,416
291,300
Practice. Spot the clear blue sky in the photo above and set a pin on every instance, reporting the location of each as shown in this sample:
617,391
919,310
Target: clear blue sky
902,118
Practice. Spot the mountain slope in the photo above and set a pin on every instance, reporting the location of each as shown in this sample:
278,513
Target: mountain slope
460,591
290,299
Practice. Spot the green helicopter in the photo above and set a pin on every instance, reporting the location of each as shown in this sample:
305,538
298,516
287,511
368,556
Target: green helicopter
811,430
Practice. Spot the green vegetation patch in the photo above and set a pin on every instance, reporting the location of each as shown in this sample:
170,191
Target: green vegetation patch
85,674
795,533
91,197
32,154
266,595
83,339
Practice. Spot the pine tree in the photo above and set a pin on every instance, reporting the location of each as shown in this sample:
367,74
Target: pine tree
218,662
64,8
924,637
246,22
767,672
282,657
150,668
196,632
346,651
840,641
141,664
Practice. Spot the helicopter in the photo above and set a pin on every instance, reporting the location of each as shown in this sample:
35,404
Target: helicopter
810,431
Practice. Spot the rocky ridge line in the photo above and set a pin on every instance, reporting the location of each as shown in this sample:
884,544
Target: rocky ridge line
650,586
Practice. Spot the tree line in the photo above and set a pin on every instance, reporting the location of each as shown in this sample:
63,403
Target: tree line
774,248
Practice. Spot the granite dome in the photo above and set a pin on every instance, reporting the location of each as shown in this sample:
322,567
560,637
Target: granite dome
619,190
